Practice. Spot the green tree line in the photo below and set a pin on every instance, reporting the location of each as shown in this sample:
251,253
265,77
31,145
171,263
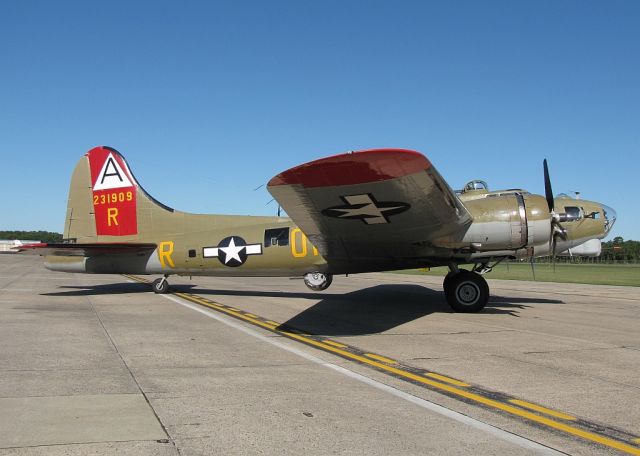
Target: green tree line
619,250
43,236
616,250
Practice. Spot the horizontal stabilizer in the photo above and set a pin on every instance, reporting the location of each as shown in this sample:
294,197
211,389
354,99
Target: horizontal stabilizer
92,249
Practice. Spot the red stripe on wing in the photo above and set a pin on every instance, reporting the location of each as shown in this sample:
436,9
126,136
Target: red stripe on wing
354,168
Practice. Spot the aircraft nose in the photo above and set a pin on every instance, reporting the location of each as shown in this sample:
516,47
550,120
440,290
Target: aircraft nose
610,217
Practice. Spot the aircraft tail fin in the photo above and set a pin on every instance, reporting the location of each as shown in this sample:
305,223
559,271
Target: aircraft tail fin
106,203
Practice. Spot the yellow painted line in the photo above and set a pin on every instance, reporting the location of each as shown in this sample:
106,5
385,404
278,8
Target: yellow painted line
606,441
228,310
381,358
137,279
274,323
636,441
335,344
541,409
250,315
480,399
446,379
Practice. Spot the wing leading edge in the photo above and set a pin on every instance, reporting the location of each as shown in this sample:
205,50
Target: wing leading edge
380,205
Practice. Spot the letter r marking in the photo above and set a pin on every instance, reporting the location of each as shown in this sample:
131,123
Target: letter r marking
165,249
112,215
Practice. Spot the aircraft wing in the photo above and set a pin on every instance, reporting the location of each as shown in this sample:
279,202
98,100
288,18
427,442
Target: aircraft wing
72,249
373,205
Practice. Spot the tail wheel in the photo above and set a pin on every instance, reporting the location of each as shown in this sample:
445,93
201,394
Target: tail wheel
466,291
317,281
160,286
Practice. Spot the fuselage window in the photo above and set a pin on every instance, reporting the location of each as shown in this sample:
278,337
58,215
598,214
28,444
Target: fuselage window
276,236
571,213
192,253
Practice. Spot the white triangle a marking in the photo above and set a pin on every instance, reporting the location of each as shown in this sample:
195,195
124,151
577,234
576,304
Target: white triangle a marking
112,175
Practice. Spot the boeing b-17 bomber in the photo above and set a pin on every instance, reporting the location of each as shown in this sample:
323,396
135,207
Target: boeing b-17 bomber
372,210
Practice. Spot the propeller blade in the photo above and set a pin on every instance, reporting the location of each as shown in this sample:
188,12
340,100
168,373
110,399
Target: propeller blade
553,251
533,269
548,192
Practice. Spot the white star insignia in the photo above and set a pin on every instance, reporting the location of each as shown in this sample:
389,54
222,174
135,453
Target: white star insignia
232,252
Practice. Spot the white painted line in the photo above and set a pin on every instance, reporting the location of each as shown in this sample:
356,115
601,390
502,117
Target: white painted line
456,416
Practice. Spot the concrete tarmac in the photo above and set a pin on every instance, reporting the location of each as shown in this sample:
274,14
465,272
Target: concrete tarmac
95,364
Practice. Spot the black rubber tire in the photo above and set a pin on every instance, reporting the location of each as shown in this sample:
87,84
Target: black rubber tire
160,286
328,278
447,278
467,291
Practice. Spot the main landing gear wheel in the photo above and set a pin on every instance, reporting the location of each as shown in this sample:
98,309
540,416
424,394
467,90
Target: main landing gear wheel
160,286
317,281
447,279
466,291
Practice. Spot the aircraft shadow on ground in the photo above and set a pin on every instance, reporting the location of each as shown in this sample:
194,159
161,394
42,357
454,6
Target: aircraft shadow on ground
367,311
90,290
506,300
384,307
255,293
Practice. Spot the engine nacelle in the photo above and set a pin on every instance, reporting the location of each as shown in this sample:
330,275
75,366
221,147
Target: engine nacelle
509,221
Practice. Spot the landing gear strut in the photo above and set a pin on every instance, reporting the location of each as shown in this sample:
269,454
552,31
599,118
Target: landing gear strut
317,281
466,291
160,286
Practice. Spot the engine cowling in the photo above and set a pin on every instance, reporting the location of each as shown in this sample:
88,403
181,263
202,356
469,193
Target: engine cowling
517,222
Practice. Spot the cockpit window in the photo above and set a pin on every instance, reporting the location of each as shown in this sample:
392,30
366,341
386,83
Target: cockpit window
476,185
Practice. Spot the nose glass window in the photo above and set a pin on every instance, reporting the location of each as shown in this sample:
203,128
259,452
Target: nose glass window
609,217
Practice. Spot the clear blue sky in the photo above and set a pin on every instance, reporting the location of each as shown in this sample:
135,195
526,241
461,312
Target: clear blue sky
208,100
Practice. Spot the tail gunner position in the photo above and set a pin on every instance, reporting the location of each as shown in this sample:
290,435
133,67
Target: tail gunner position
373,210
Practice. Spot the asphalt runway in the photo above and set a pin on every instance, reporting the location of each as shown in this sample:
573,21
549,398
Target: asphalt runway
376,364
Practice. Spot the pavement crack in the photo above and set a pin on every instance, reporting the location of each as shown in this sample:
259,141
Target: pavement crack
567,350
567,370
133,377
93,442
